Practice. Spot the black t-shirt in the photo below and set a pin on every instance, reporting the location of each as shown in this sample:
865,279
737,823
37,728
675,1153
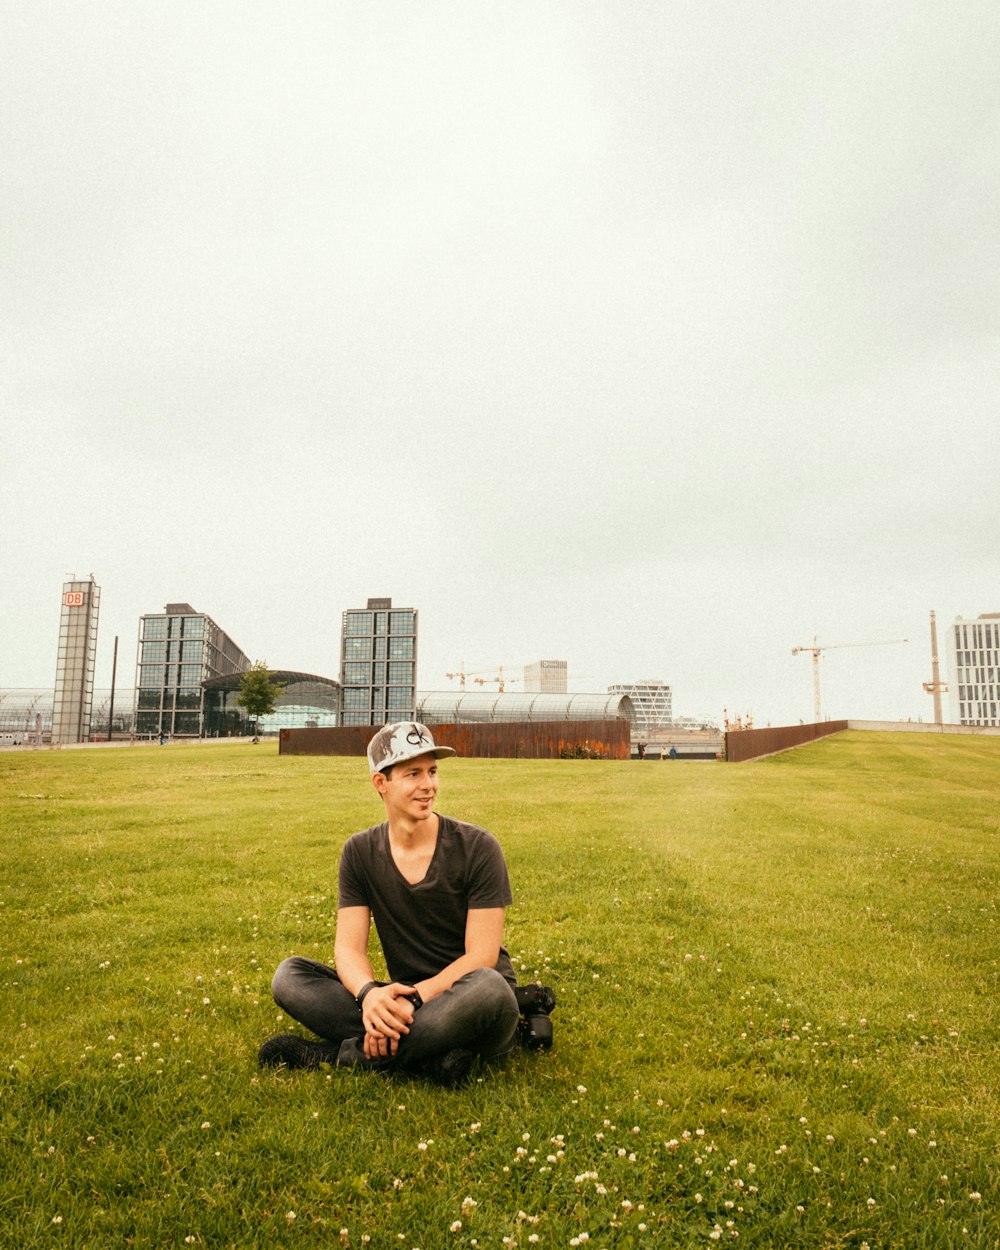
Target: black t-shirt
422,926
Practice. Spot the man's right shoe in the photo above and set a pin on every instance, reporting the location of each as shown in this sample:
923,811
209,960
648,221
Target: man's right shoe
291,1051
450,1069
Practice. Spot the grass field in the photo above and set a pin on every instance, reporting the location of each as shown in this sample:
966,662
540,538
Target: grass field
777,1022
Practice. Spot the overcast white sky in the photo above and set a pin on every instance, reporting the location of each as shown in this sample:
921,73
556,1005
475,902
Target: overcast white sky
655,337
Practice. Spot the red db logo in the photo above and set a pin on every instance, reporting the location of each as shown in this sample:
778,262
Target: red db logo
74,598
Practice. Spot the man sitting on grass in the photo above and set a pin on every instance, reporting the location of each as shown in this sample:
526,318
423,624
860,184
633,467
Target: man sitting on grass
436,889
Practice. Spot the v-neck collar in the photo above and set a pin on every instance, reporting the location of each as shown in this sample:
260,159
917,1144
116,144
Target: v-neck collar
413,885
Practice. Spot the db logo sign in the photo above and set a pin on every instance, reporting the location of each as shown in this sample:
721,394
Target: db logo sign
74,598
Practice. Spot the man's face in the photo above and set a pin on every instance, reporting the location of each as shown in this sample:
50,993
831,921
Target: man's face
411,788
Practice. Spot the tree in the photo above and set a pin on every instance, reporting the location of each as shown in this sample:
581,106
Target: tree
259,692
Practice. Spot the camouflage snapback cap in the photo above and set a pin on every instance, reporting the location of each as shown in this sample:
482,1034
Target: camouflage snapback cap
402,740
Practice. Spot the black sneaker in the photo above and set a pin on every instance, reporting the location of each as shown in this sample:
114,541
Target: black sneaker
450,1069
352,1055
293,1051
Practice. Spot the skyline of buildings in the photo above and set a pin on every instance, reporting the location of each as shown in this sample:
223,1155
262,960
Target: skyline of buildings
184,663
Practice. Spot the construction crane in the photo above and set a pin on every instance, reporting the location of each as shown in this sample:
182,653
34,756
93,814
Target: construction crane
832,646
500,679
482,677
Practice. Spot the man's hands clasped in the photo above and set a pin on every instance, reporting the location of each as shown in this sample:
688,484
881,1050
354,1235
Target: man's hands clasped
387,1011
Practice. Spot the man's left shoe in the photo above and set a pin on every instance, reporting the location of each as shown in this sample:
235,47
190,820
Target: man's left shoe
293,1051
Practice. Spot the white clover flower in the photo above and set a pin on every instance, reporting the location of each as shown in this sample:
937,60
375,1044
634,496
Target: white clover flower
975,1196
289,1215
205,1124
455,1226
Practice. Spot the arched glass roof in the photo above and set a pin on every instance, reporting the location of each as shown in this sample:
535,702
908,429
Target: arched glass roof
447,707
288,678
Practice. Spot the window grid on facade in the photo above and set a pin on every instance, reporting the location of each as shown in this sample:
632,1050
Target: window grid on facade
974,656
378,663
178,651
653,704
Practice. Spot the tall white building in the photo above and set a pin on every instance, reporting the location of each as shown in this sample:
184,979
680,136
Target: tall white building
974,670
546,677
653,704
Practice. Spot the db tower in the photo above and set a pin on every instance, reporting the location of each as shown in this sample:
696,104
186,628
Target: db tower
74,690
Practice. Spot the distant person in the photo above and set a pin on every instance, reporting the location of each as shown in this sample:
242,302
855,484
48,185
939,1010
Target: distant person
641,746
436,889
672,753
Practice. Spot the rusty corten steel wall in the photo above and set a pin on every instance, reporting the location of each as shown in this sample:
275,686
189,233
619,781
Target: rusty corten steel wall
506,740
750,744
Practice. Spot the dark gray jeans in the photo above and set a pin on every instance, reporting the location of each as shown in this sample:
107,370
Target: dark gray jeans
479,1012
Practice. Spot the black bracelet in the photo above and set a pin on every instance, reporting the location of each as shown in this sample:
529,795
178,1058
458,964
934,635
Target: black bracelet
365,989
415,999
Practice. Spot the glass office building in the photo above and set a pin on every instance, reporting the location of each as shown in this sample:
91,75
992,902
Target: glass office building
306,702
378,664
653,704
179,649
74,689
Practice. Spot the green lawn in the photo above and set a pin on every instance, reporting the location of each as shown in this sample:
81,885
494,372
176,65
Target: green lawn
777,1022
